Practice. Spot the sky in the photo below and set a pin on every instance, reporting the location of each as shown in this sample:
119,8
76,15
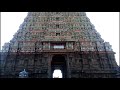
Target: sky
57,73
106,23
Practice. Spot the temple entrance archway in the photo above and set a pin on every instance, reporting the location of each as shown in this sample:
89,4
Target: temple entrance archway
59,63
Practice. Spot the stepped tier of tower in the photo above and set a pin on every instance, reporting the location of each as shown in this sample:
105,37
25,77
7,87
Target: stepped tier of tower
39,28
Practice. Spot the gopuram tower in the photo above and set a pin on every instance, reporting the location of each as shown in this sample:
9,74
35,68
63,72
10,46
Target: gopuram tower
68,41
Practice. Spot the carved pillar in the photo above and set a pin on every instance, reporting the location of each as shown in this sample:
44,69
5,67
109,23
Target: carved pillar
49,65
68,66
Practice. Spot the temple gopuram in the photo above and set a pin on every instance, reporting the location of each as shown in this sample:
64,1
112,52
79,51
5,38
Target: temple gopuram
68,41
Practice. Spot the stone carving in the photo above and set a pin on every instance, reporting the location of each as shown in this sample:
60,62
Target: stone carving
70,45
73,30
46,46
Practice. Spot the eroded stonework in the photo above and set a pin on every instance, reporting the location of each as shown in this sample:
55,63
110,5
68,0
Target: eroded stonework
65,40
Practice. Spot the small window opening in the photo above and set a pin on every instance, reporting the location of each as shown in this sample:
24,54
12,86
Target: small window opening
57,34
57,18
57,26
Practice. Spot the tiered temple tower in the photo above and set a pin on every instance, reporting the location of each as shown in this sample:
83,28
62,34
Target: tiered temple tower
67,41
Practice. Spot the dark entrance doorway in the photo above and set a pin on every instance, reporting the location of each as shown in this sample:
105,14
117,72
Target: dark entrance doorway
58,62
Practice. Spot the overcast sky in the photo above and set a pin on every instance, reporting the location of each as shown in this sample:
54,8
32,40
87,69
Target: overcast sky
106,23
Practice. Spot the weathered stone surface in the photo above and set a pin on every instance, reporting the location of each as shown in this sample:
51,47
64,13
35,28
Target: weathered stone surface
65,40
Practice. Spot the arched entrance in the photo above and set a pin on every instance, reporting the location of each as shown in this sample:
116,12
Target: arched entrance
58,62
